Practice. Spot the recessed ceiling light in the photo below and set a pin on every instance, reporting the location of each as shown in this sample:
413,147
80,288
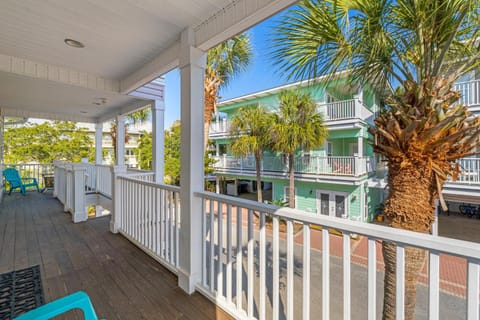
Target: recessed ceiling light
84,112
74,43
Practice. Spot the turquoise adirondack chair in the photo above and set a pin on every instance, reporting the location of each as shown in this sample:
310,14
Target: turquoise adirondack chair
77,300
15,181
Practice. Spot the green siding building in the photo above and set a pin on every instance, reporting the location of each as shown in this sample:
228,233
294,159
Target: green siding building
343,178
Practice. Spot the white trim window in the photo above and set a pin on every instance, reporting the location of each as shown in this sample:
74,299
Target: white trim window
286,194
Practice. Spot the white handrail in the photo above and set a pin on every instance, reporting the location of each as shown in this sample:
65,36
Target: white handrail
223,260
306,164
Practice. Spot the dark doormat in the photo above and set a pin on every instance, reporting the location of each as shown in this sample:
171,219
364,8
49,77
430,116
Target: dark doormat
20,291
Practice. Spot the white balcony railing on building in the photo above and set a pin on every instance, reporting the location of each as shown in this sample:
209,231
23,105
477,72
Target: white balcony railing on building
40,171
149,215
338,110
470,171
253,270
306,164
220,127
470,92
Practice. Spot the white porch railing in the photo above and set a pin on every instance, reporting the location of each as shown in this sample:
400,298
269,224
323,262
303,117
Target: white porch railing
33,170
103,180
149,216
306,164
470,92
255,272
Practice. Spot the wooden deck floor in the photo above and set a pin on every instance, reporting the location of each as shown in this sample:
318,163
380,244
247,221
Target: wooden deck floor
122,281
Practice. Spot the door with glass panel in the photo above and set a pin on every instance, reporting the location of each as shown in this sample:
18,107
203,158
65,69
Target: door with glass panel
332,203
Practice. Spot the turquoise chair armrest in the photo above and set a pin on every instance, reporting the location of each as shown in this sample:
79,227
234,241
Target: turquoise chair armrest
77,300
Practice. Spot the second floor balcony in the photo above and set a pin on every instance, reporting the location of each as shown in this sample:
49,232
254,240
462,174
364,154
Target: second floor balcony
307,164
470,93
333,112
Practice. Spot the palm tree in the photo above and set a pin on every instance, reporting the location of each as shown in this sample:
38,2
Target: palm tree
139,116
297,125
249,129
420,48
224,62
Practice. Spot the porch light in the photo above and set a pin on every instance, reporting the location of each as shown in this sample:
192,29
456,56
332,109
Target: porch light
83,112
74,43
100,101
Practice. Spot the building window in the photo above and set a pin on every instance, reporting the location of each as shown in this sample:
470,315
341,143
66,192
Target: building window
286,195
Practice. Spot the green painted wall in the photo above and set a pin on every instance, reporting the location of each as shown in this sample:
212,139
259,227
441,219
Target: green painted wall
374,198
307,194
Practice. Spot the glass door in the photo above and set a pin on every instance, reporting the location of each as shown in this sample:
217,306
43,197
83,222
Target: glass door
333,204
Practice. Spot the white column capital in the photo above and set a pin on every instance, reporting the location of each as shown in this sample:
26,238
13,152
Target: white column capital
158,105
189,54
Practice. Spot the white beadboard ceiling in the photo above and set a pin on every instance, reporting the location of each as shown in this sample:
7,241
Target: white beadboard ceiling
128,43
119,35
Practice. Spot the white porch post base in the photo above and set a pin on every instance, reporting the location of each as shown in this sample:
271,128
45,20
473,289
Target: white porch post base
187,282
115,218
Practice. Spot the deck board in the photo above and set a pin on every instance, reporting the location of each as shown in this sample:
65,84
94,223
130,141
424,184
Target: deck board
122,281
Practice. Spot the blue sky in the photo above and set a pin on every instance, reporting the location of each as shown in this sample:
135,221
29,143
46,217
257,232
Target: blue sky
260,75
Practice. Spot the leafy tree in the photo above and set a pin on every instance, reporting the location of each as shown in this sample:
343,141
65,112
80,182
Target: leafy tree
224,62
297,125
46,142
420,48
144,151
250,129
172,154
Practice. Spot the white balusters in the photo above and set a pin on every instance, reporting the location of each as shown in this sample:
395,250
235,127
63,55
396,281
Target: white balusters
149,218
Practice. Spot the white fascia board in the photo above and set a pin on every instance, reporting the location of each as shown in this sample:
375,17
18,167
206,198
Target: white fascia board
235,18
10,112
167,60
132,107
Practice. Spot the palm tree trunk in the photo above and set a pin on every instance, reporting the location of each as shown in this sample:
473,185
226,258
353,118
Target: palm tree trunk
259,178
410,205
291,175
210,103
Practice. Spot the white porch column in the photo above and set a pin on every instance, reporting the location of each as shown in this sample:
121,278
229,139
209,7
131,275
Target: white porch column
79,207
120,156
192,69
115,219
158,140
98,142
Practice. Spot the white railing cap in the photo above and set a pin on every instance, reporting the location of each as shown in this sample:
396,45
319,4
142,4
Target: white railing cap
456,247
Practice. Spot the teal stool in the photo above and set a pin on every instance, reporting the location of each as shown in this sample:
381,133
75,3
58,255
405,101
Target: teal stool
77,300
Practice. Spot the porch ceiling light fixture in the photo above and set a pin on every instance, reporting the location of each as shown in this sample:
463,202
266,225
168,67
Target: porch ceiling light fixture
83,112
100,101
73,43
